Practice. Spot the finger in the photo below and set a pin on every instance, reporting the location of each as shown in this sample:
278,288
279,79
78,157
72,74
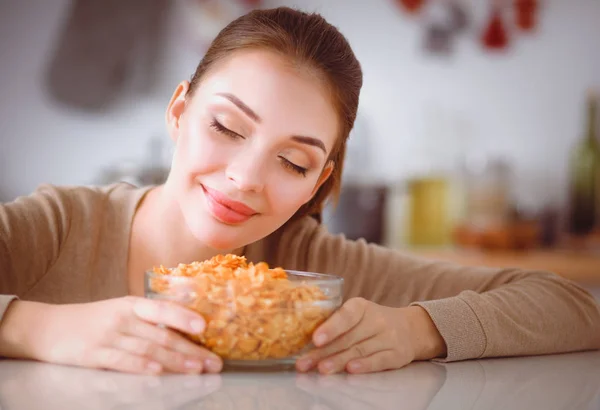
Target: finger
165,337
169,314
176,342
348,316
377,362
337,362
363,331
169,359
120,360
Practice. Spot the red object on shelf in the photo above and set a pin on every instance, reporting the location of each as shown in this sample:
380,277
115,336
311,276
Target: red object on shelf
495,35
412,6
525,14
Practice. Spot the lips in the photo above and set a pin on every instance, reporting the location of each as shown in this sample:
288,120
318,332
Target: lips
227,210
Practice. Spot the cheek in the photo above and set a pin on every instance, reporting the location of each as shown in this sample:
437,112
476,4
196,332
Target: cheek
286,197
197,151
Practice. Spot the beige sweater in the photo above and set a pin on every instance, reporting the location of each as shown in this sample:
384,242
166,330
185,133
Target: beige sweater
65,245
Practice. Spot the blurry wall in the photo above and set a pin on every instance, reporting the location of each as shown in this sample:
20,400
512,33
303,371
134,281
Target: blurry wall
525,104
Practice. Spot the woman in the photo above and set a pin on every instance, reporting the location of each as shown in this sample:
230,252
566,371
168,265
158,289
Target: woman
260,133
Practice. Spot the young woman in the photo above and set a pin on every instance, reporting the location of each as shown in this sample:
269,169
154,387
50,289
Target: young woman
260,133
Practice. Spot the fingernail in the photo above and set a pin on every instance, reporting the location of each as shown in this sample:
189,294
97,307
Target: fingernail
197,325
212,365
355,366
320,339
192,364
304,364
154,367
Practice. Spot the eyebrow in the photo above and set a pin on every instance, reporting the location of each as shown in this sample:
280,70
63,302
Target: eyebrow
315,142
242,106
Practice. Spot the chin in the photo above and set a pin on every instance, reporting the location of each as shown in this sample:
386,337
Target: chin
217,238
221,244
215,235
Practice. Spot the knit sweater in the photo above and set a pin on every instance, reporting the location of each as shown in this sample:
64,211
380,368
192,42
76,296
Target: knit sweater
70,244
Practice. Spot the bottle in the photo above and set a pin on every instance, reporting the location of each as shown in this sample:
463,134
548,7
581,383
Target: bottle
584,192
428,208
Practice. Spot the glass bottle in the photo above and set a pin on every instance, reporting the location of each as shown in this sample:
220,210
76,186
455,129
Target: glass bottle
584,178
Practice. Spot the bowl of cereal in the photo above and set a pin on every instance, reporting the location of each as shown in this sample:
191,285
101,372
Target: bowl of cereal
255,316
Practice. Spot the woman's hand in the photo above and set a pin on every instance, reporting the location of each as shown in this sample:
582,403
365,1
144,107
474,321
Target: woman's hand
363,337
119,334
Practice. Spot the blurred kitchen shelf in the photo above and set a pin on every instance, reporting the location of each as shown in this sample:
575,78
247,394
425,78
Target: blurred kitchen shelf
580,266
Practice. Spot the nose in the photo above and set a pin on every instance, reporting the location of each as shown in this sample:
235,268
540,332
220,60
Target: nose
247,172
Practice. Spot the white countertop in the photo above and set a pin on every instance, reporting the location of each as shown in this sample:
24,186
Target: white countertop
569,381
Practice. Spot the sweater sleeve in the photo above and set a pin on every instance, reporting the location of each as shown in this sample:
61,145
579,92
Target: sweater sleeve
32,230
480,312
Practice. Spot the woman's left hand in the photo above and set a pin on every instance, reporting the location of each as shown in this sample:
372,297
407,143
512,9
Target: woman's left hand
363,337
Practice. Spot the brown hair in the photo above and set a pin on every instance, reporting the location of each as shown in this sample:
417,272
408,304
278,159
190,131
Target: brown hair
307,39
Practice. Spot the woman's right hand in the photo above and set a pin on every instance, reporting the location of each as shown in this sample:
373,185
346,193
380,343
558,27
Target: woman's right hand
119,334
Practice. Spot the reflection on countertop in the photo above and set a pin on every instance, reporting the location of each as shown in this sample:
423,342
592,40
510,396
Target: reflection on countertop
570,381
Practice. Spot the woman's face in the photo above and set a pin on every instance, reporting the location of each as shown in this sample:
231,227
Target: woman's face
251,147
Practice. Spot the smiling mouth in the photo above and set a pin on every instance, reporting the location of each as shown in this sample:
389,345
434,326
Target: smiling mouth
226,210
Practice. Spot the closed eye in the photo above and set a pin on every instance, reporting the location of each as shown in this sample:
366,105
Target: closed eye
217,126
293,167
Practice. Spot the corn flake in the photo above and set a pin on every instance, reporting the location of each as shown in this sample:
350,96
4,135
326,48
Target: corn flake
252,312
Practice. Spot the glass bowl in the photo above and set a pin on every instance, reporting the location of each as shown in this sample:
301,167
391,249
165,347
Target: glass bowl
254,325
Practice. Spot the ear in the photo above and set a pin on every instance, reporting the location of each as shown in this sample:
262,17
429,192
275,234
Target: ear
326,173
175,109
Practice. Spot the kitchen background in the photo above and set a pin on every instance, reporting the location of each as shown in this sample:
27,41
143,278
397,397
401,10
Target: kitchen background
469,114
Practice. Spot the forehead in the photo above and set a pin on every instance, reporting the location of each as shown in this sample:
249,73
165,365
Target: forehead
290,99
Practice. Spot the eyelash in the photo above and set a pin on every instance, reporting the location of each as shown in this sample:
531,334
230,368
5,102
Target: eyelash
293,167
217,126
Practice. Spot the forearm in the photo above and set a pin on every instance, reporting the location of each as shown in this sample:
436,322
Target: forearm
540,314
532,313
